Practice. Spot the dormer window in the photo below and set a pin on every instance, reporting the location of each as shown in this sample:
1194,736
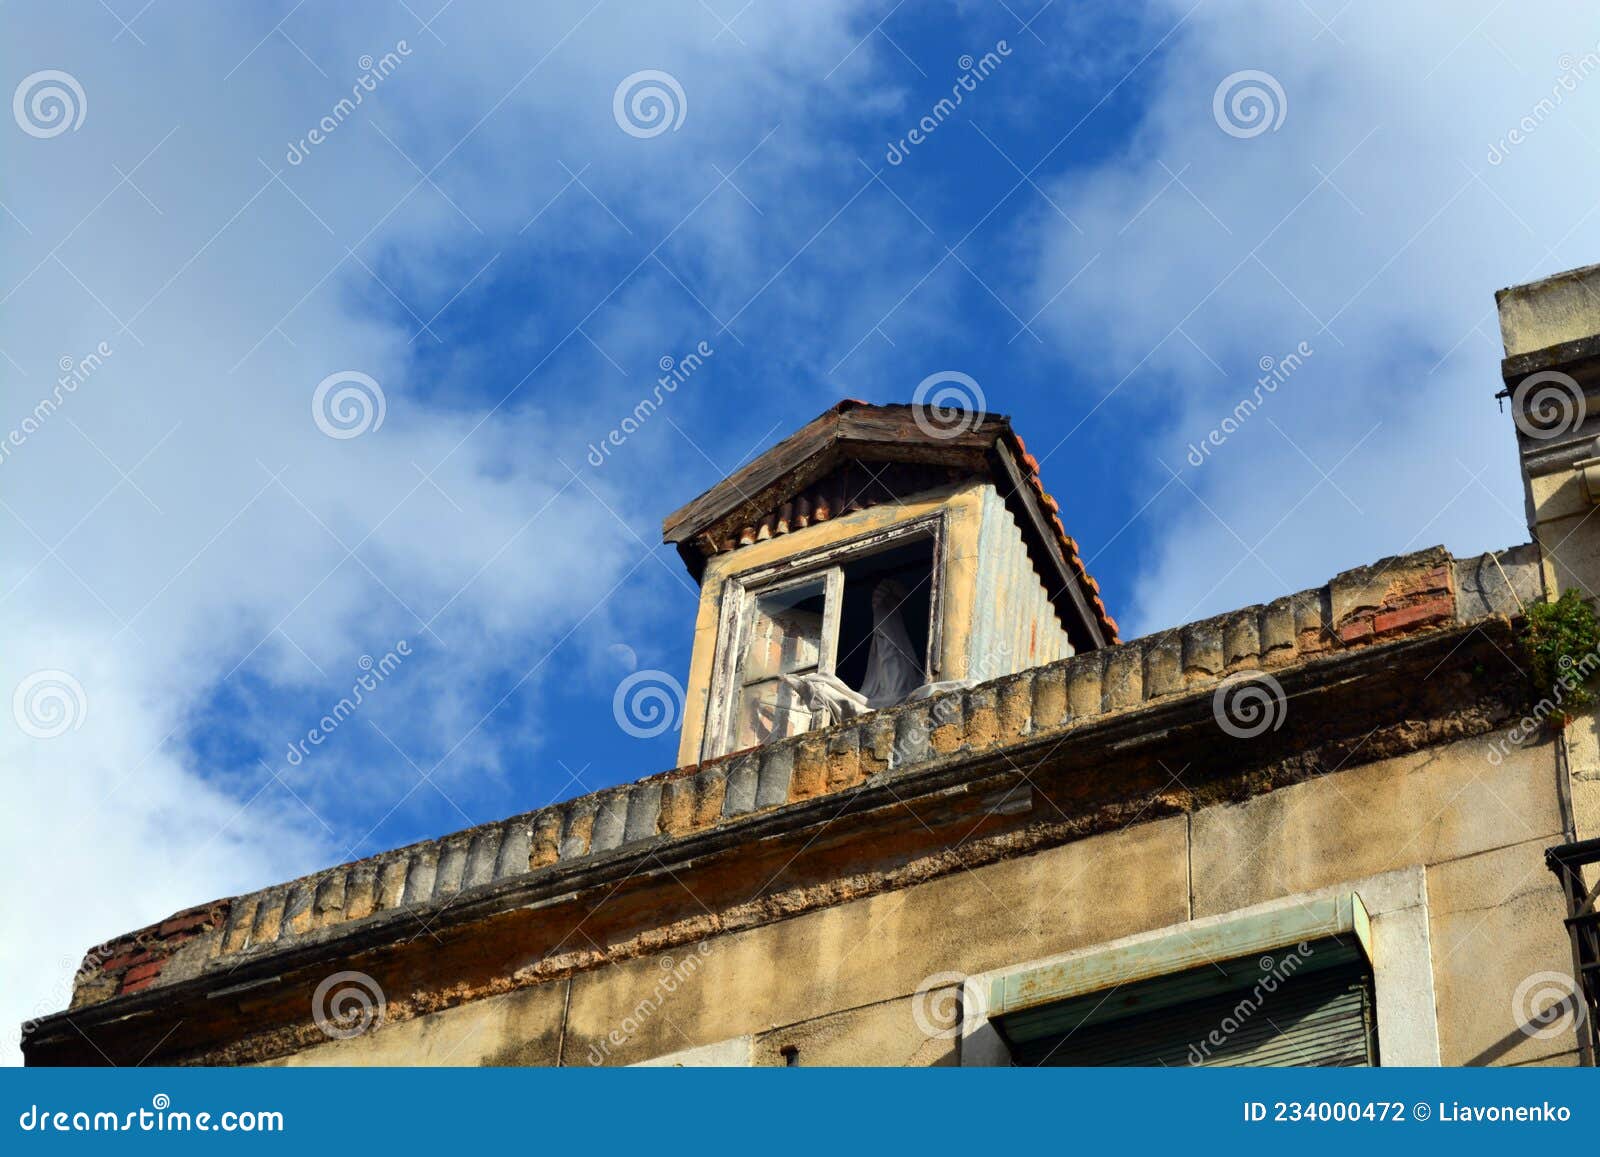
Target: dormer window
873,556
826,634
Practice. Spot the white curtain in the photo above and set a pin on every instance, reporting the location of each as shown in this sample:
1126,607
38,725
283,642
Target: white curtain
893,668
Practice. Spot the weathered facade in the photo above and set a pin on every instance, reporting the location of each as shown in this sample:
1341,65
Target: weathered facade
1312,831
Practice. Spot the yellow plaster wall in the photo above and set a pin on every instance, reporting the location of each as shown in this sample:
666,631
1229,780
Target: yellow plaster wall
964,507
868,981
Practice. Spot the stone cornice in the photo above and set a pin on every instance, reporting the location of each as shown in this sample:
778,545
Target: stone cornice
1398,619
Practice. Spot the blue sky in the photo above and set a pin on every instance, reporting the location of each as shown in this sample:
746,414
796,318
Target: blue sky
1115,262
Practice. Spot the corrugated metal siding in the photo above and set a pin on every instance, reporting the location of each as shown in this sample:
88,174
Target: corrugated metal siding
1014,623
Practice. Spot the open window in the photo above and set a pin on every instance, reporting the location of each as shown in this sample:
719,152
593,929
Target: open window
791,629
864,612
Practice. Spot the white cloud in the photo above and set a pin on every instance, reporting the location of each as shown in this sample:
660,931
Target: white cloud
179,534
228,539
1371,225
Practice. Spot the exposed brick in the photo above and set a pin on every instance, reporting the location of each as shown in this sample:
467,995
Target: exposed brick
1438,609
136,986
200,910
186,922
1356,631
127,960
142,971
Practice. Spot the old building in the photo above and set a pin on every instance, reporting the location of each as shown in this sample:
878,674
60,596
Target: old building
929,809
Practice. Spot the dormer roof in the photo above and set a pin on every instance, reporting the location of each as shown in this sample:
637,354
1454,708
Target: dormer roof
856,455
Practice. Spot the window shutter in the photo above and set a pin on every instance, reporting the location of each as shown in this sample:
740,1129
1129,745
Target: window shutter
1320,1015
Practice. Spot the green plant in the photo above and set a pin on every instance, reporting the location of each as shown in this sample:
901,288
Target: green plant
1561,641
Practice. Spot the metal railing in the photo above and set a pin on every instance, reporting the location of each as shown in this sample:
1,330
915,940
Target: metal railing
1569,862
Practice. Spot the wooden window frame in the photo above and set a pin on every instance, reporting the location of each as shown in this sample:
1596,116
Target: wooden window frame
740,591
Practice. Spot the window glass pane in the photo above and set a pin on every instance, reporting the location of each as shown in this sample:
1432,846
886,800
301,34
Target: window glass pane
768,710
785,632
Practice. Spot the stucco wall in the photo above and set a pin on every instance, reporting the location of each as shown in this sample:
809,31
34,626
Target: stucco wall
996,615
1545,325
839,986
964,506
